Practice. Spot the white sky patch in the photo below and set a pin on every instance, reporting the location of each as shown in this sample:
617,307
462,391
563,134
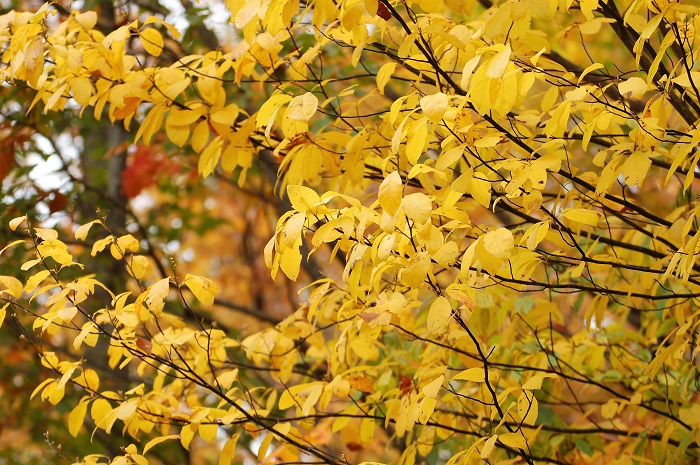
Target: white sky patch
219,21
143,202
172,247
188,255
177,14
257,442
47,174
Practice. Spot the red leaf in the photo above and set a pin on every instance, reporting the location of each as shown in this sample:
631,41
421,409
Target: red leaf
405,384
383,12
58,202
7,159
145,166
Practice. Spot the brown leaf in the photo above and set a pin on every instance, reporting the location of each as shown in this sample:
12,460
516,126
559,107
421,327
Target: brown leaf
383,12
353,446
7,159
361,383
58,202
144,345
369,316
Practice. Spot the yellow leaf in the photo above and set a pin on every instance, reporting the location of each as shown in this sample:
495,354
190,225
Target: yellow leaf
342,421
155,299
636,168
207,431
467,71
290,261
633,87
499,243
262,452
186,435
417,269
227,378
53,393
157,440
12,244
536,234
431,389
582,215
384,75
209,158
178,117
302,107
151,123
609,409
13,285
268,111
76,418
16,222
417,138
690,415
89,378
81,89
86,20
480,189
488,447
123,244
293,228
514,440
227,452
67,314
434,106
127,409
577,94
427,407
439,315
176,134
204,289
200,136
556,125
475,375
152,41
391,193
35,280
535,382
364,349
99,410
302,198
496,66
41,386
51,102
172,29
367,427
3,313
82,231
137,266
528,408
333,230
34,60
593,67
685,80
88,334
99,245
418,207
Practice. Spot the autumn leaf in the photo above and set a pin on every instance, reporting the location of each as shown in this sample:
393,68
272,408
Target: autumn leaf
204,289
